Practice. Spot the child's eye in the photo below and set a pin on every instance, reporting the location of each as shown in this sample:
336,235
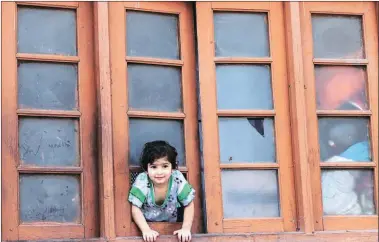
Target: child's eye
165,166
153,167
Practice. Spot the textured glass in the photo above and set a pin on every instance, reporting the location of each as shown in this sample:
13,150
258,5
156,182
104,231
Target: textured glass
50,198
249,194
241,34
46,31
147,130
47,86
341,87
49,141
152,35
344,139
244,87
154,88
348,192
337,36
249,140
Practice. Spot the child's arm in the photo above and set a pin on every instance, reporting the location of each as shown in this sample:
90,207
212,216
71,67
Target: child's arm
148,234
184,234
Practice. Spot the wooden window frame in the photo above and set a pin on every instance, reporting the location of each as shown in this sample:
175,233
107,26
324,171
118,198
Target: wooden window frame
120,114
212,168
370,35
86,114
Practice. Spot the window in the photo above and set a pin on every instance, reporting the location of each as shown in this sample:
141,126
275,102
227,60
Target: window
246,131
153,96
341,66
48,147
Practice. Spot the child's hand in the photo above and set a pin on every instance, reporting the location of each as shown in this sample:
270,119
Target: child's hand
150,235
184,235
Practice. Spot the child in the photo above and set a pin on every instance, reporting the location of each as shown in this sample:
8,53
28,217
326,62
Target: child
158,192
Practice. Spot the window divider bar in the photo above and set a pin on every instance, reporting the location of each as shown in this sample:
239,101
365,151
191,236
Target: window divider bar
149,114
47,58
154,61
242,60
49,170
345,62
343,113
246,113
355,164
72,5
48,113
255,166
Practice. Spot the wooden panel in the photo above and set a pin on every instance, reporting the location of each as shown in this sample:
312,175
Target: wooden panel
163,7
370,34
210,113
87,107
246,165
9,154
107,199
162,228
346,164
154,61
253,225
50,170
207,80
336,113
165,115
35,232
350,222
298,118
343,62
240,60
120,122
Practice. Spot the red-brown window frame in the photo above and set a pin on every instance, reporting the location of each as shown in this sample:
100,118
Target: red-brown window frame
11,168
124,225
215,221
370,35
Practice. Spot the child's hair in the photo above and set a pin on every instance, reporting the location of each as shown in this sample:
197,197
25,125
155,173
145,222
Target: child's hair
155,150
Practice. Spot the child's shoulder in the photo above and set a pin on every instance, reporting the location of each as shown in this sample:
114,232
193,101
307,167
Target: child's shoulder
141,176
177,175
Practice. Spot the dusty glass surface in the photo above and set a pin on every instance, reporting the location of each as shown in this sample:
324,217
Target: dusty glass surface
337,36
344,139
246,140
152,35
341,87
244,87
348,192
154,88
49,141
250,194
146,130
46,31
47,86
50,198
241,34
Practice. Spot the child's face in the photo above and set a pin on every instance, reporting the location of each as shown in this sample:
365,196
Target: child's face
159,171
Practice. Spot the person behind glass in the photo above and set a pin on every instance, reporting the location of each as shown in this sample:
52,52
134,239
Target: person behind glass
157,192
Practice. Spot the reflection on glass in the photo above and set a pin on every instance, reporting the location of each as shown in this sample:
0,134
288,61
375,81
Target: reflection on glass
248,140
47,86
341,88
241,34
155,88
337,36
49,198
46,31
348,192
244,87
152,35
344,139
146,130
248,194
49,141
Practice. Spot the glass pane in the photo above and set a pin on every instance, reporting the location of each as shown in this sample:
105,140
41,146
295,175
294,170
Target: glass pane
46,31
337,36
152,35
154,88
49,141
247,194
344,139
341,88
49,198
47,86
241,34
348,192
146,130
244,87
249,140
